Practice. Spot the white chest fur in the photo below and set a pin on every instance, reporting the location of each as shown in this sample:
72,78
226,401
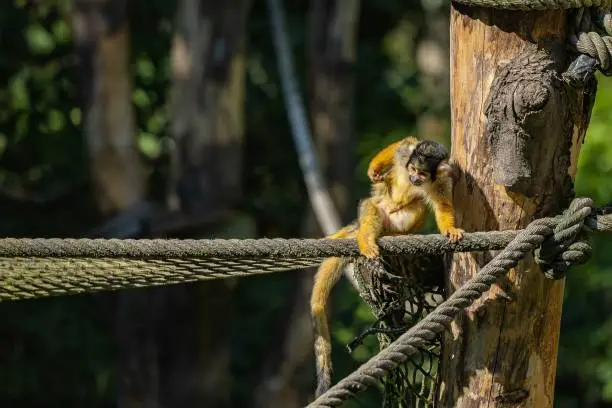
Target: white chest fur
398,221
401,220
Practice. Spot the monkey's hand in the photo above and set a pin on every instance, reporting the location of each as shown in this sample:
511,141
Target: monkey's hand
384,160
453,234
376,172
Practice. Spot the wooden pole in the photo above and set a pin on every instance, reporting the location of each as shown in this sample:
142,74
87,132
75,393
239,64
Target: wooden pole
517,130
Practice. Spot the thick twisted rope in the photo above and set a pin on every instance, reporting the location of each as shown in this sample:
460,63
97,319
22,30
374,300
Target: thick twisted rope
439,319
31,268
592,36
285,248
567,245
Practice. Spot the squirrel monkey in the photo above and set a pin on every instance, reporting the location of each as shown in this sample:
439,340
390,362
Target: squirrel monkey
406,176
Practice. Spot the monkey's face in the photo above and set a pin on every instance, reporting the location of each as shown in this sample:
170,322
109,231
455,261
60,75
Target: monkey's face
420,159
418,173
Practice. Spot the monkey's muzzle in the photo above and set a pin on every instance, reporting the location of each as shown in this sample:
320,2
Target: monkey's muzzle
416,181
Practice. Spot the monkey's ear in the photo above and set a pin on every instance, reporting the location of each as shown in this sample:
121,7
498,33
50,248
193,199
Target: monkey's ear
404,150
411,149
409,146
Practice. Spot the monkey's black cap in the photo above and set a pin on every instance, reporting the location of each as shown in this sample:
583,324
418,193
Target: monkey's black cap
428,154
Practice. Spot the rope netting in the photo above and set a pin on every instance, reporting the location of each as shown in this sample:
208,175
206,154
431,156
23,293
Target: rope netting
399,301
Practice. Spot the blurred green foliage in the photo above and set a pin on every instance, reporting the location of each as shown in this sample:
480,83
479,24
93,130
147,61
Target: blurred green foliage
60,352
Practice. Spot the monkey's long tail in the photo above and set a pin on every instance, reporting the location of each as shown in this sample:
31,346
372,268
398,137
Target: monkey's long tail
327,276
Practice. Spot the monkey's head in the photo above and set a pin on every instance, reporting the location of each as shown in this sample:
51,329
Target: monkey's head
421,160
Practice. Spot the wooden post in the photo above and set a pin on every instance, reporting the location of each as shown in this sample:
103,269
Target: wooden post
517,130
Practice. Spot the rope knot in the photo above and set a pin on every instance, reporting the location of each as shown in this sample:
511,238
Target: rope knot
592,36
568,245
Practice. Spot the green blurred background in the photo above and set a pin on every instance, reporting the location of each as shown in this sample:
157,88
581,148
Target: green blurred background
64,352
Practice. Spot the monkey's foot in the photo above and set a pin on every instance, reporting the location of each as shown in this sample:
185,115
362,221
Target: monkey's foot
454,234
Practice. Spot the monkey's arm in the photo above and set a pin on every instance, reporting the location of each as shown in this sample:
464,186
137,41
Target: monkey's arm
441,198
371,227
382,161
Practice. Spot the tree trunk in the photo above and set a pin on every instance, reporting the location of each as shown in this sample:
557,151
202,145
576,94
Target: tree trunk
517,130
333,35
102,40
208,65
207,120
101,37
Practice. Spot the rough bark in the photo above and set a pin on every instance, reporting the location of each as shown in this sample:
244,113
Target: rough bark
517,130
332,51
207,119
101,37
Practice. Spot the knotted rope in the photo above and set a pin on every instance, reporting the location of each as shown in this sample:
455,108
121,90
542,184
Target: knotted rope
591,36
560,230
568,245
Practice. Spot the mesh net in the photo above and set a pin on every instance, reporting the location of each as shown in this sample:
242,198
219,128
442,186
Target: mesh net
399,299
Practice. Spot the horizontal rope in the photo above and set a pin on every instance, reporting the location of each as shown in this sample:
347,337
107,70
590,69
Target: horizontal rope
31,268
287,248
